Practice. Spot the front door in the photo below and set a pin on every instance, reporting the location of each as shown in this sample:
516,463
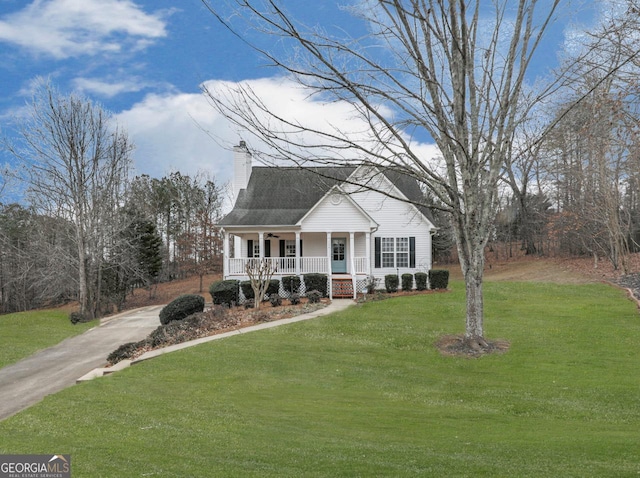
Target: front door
338,255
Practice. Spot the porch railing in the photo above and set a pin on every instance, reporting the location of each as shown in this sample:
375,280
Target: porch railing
318,265
287,265
361,265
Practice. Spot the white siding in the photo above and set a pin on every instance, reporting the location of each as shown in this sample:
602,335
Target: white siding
396,219
360,246
314,244
336,212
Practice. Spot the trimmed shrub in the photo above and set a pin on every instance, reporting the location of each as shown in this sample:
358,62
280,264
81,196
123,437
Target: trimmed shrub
317,282
295,299
421,280
439,278
225,292
79,317
247,290
291,284
391,283
407,281
181,307
314,296
275,300
273,288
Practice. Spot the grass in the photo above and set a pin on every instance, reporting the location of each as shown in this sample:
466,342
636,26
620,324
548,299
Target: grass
24,333
365,393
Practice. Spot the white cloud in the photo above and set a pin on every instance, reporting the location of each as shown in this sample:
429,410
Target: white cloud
338,121
67,28
109,89
176,132
168,133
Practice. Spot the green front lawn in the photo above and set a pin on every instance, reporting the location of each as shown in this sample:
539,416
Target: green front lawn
24,333
365,393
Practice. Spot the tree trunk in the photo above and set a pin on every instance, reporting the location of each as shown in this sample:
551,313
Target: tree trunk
472,260
473,277
82,277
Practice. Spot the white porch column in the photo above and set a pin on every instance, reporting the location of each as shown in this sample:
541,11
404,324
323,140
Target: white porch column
329,265
368,253
261,244
297,253
329,253
352,260
352,253
225,254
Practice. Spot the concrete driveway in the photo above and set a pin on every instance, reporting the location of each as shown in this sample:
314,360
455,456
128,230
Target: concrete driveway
51,370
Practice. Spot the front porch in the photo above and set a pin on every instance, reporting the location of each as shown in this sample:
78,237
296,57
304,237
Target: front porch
344,257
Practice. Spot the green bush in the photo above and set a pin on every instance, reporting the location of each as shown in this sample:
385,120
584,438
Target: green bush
317,282
273,288
225,292
247,290
295,299
391,283
439,278
291,284
407,281
181,307
421,280
314,296
275,300
79,318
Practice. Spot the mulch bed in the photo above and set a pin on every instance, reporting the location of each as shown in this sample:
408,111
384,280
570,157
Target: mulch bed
631,282
213,321
456,346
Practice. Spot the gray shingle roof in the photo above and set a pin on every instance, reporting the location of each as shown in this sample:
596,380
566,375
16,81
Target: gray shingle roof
282,196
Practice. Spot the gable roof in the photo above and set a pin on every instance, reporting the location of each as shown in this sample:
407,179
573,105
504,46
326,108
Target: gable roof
281,196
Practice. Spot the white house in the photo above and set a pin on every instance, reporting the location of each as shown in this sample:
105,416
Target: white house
345,222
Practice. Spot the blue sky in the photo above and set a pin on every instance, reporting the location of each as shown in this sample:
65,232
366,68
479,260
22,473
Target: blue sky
144,60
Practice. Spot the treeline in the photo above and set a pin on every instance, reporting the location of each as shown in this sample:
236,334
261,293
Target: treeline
87,230
571,185
576,190
163,229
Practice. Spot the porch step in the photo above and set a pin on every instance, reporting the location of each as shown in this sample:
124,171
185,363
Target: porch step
342,288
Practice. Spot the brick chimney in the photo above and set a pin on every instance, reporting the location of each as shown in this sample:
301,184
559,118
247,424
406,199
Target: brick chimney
241,168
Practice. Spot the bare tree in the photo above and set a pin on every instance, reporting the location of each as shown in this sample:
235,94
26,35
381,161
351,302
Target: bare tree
454,70
260,272
76,165
4,175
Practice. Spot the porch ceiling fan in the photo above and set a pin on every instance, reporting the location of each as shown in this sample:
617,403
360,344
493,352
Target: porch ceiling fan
272,235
